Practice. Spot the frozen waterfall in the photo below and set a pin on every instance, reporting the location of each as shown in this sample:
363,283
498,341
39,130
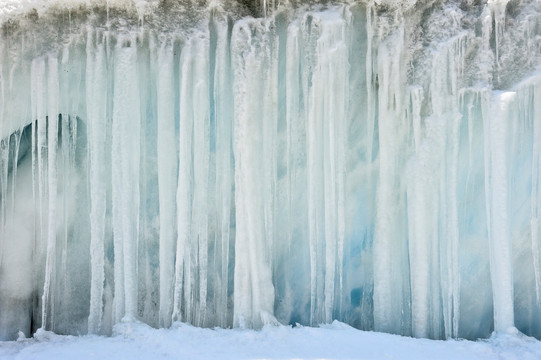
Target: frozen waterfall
241,163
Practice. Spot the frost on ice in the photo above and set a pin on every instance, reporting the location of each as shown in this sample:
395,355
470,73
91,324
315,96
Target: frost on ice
359,161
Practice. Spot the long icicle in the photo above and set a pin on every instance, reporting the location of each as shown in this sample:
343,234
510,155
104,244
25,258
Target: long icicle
166,179
97,114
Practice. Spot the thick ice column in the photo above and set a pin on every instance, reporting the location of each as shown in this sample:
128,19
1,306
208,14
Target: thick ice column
536,191
52,144
294,115
452,293
447,95
371,101
40,131
96,82
339,110
431,197
321,42
324,91
424,177
190,292
291,247
268,162
4,169
252,66
223,103
183,276
314,172
421,221
4,161
496,182
125,178
201,131
39,138
327,108
2,92
167,179
387,238
74,214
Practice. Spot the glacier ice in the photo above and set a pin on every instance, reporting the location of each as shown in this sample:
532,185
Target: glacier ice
237,164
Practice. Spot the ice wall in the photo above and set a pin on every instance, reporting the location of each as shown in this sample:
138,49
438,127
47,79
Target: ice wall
363,161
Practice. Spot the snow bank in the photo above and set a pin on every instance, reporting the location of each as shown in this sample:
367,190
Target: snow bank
334,341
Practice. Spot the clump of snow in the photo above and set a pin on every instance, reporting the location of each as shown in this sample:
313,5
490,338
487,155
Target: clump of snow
333,341
13,8
396,4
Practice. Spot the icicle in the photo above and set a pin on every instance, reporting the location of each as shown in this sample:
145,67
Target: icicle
293,114
416,99
52,144
38,74
254,291
201,129
4,165
371,83
125,177
387,302
3,83
314,173
423,205
269,119
342,72
501,263
16,140
183,275
224,114
329,86
34,164
4,162
97,116
453,265
292,223
167,176
423,200
445,105
536,193
452,315
67,161
419,245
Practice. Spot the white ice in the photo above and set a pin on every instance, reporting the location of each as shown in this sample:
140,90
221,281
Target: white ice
333,341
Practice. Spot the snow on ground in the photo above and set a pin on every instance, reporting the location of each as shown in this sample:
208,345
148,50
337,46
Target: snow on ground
336,341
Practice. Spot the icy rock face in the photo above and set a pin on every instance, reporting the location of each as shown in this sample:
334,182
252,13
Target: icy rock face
369,162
